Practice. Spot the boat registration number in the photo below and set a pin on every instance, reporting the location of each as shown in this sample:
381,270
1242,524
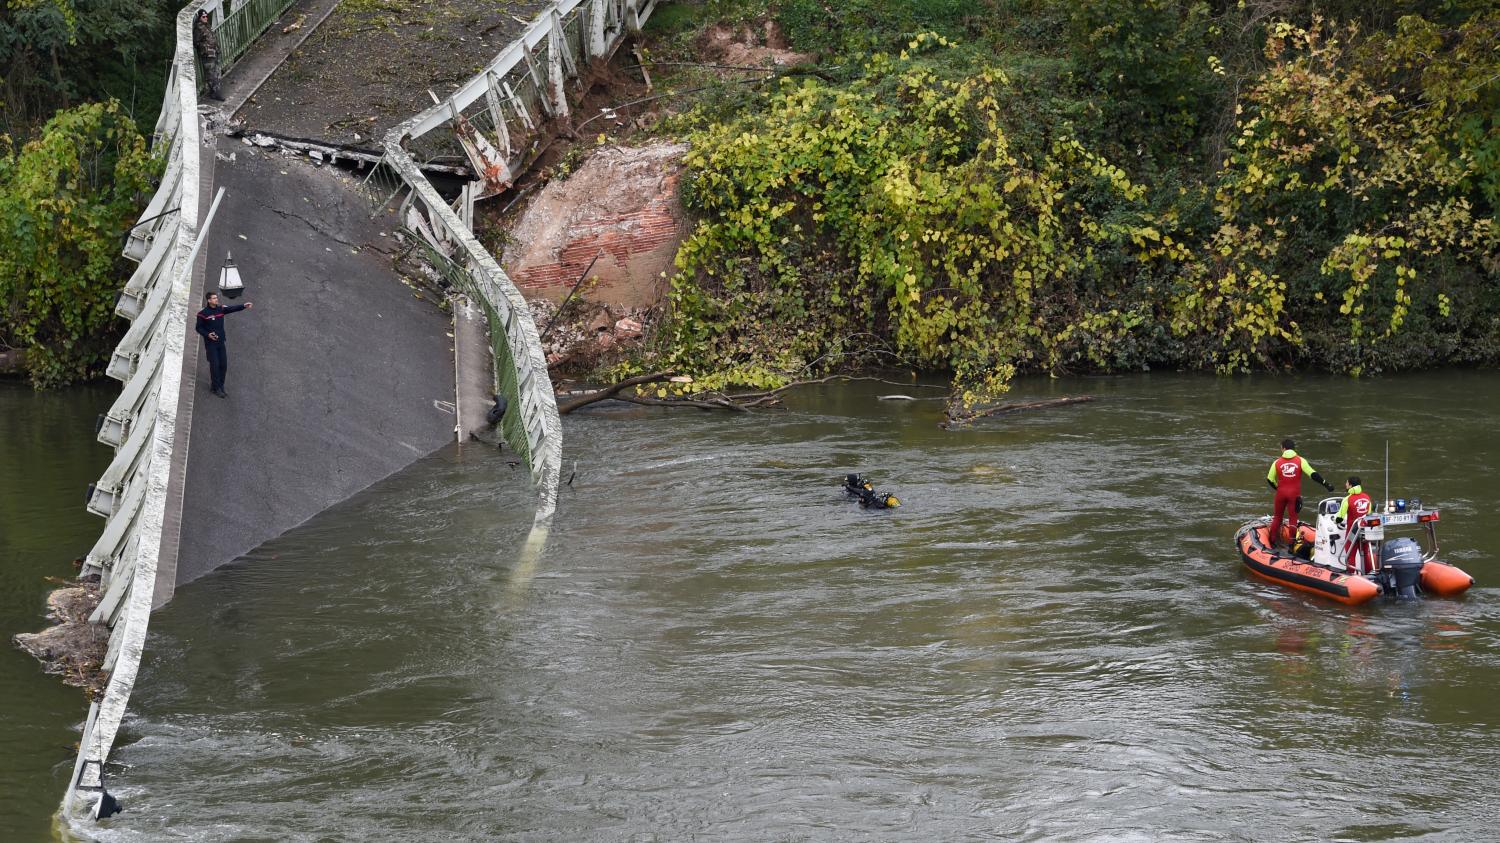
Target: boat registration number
1399,518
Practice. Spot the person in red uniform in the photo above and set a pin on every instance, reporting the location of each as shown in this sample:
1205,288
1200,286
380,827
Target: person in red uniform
1285,477
1352,512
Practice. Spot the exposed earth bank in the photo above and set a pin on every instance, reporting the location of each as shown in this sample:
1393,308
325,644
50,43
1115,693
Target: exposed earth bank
593,249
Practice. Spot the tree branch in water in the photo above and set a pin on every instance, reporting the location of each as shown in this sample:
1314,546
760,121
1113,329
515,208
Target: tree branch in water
610,391
781,389
739,402
957,417
719,403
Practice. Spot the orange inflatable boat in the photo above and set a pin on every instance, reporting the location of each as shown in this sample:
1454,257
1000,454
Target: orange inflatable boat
1320,561
1284,567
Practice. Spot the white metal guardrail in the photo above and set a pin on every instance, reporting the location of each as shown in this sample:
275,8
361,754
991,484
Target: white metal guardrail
514,102
497,116
141,425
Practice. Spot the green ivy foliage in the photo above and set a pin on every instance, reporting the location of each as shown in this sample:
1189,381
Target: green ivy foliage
894,216
65,200
1352,201
962,214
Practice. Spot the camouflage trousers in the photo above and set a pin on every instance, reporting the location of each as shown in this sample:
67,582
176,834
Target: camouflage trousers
211,75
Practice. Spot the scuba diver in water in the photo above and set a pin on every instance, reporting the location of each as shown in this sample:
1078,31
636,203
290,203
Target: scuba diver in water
858,487
1285,477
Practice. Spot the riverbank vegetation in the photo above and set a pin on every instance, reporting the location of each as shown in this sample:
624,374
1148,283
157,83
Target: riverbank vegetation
66,198
1038,185
58,54
79,77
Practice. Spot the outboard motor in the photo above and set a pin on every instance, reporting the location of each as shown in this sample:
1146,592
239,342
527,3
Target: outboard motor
1401,567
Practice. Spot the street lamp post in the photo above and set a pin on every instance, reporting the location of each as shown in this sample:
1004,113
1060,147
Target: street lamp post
229,278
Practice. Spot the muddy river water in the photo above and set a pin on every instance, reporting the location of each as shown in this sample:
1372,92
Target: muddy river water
1052,639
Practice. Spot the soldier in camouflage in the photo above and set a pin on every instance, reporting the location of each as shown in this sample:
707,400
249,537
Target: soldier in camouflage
207,46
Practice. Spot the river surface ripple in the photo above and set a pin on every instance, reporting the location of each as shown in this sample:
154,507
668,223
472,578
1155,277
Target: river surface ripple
1052,640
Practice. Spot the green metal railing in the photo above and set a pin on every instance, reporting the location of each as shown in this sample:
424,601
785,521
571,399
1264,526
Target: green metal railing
241,27
514,425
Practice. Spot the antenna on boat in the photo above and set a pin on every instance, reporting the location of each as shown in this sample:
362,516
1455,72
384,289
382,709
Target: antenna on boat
1386,494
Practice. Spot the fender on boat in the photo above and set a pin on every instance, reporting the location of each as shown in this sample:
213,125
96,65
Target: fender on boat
1288,570
1444,580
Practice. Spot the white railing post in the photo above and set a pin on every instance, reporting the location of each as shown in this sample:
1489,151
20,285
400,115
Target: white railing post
598,45
497,116
557,62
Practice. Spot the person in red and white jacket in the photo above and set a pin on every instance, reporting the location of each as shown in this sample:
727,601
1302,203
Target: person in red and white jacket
1352,511
1285,477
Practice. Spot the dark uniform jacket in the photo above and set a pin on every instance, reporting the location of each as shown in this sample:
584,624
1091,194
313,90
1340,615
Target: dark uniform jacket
211,319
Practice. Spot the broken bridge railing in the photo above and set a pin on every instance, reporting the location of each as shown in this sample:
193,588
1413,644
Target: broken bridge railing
499,120
140,494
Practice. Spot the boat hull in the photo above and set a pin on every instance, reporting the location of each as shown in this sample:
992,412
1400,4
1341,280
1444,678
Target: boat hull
1283,568
1444,580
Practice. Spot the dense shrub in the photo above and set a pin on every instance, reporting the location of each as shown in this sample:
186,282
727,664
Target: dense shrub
1187,184
57,53
894,215
65,200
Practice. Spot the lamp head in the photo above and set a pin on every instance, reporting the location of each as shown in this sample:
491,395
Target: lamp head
230,283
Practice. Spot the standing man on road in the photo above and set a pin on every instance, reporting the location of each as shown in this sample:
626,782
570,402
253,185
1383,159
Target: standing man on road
211,328
1285,477
207,45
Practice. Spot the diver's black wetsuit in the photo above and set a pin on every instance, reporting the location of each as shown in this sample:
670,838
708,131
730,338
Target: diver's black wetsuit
856,485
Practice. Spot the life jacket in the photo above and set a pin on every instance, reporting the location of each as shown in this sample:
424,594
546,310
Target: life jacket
1355,506
1288,470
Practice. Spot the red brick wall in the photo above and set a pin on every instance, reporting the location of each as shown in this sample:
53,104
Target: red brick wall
625,240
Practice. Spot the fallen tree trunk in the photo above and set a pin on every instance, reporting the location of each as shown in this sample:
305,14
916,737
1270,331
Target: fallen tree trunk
610,391
696,403
754,397
959,418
